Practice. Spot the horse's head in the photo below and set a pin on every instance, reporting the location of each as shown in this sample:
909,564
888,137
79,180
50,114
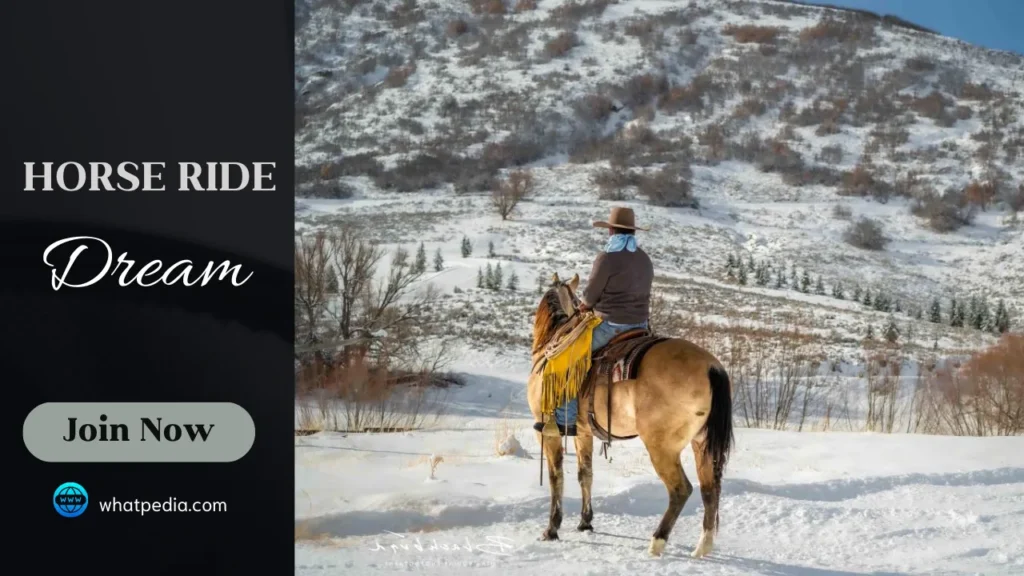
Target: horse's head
558,305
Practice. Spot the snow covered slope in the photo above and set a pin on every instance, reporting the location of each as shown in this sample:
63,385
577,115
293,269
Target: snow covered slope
795,504
762,112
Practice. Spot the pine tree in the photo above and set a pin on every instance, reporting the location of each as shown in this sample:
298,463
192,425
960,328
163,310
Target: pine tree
882,302
742,276
332,281
856,293
819,287
780,279
467,247
867,297
730,263
498,277
541,284
952,311
959,315
935,313
750,264
891,332
897,307
763,274
513,282
489,277
438,261
490,249
1001,321
870,333
981,316
792,278
805,282
421,260
480,278
972,311
837,291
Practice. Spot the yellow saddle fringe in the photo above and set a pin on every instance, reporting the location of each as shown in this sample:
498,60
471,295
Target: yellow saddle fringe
568,363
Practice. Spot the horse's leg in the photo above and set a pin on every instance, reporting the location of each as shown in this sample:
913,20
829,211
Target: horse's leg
552,446
667,464
710,491
585,460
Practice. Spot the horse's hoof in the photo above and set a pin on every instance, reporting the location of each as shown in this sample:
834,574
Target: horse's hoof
585,527
703,546
657,546
548,536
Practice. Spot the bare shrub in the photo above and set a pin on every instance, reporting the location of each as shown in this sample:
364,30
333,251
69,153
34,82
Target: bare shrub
750,33
398,75
866,234
457,28
572,12
749,107
861,182
492,7
331,190
842,212
612,183
831,154
984,397
641,89
1014,198
507,195
525,5
882,372
561,44
980,92
831,29
359,336
669,187
945,213
594,107
639,27
980,194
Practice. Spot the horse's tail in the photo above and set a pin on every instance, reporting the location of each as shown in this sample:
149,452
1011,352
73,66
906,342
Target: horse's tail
718,428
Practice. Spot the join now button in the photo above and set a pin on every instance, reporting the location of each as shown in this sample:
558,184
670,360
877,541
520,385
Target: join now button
138,432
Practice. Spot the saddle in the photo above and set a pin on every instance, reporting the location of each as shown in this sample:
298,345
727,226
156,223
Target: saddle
617,361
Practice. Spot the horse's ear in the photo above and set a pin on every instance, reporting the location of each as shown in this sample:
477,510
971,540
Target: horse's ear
575,281
554,279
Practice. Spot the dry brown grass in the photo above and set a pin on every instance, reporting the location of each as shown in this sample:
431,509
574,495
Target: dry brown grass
751,34
561,45
525,5
983,397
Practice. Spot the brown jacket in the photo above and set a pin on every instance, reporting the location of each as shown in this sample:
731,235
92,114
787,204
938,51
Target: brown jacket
619,287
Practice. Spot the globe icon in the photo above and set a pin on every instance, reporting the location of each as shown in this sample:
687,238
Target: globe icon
70,499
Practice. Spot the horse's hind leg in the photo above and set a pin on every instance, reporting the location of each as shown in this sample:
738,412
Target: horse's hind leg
585,460
667,464
710,491
552,446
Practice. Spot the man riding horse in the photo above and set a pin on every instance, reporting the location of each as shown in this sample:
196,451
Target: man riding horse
666,391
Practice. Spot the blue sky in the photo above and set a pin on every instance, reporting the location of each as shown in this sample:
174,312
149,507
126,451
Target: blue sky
995,24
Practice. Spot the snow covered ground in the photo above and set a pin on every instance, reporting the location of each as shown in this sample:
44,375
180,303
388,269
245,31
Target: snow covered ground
801,504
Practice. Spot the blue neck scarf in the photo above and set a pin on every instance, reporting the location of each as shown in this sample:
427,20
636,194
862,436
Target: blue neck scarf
618,242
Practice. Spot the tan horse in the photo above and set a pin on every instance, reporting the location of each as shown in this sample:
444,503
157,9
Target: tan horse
681,396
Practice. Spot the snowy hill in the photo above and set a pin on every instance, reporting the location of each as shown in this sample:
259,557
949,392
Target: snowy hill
784,124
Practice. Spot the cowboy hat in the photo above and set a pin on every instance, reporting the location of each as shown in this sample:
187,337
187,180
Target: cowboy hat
620,218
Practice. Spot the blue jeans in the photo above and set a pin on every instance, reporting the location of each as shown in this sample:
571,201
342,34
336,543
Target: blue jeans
603,334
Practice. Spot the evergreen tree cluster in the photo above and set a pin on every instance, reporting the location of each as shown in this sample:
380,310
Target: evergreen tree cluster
493,278
974,313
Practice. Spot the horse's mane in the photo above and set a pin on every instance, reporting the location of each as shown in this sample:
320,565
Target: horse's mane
549,317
